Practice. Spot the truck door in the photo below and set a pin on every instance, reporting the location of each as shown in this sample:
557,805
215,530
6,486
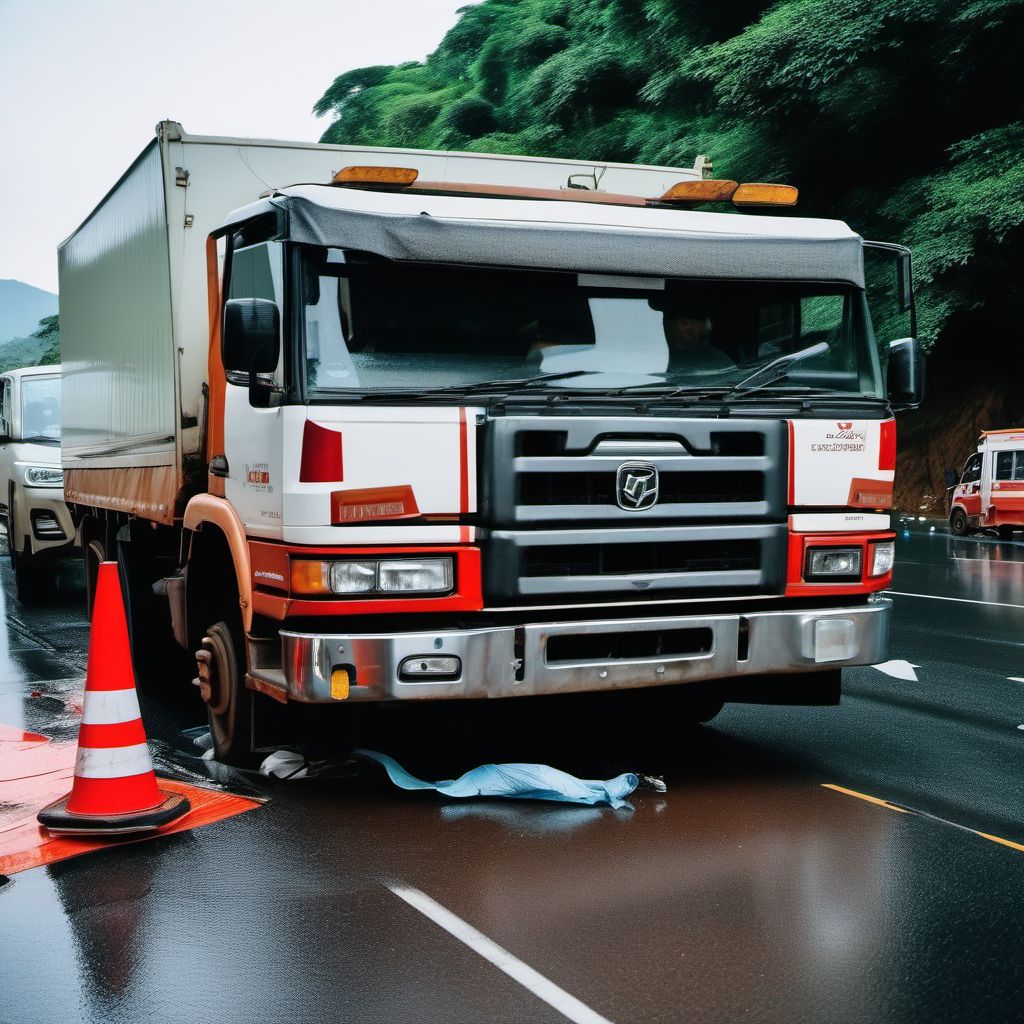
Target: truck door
968,491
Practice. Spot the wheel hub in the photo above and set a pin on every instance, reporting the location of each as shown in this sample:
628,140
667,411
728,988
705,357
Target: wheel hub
214,665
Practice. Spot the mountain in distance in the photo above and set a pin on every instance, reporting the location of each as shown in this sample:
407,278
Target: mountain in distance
22,306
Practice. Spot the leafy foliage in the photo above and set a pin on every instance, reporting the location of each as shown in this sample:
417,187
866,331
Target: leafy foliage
900,116
41,348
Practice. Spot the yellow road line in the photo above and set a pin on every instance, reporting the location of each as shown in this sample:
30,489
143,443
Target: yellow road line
921,814
1002,842
864,796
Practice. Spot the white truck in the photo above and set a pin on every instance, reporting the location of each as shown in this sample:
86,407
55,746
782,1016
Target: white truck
368,425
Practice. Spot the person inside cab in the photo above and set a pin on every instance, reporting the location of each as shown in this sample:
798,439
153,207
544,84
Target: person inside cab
690,336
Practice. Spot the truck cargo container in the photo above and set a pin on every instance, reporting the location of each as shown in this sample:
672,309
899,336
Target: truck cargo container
377,425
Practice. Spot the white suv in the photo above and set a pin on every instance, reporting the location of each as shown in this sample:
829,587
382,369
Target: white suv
39,527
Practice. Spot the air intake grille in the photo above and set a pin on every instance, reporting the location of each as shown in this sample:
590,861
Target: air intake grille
555,469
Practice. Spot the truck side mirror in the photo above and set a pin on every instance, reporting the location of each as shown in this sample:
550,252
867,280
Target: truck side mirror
905,374
251,336
952,478
250,342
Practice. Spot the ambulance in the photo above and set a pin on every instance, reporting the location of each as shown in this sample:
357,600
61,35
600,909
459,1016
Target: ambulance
989,492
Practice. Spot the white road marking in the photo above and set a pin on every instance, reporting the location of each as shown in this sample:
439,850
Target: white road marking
898,669
557,998
1016,679
1020,726
959,600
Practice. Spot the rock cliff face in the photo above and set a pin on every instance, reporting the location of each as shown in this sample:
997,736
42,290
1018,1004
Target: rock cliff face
966,394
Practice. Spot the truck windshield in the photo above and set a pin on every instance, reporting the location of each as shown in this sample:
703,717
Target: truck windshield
40,409
372,324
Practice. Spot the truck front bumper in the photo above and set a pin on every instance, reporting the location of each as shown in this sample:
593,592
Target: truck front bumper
567,657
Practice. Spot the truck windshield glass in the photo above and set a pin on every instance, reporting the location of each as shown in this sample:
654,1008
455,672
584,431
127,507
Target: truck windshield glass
372,324
40,409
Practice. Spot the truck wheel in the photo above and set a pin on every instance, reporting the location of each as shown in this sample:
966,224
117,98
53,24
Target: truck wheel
229,703
958,523
1006,533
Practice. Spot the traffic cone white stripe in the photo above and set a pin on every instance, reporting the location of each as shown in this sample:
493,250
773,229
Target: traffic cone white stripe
108,707
112,762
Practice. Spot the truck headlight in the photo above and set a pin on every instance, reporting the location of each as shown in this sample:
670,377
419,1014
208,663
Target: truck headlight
373,576
883,556
840,565
43,476
422,575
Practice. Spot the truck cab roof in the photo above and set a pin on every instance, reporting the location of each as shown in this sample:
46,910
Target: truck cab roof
563,235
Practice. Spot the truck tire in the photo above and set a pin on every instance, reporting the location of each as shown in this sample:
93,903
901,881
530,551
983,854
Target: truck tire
958,522
1006,532
229,703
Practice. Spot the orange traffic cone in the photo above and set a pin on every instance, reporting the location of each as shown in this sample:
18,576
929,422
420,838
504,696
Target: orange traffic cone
115,790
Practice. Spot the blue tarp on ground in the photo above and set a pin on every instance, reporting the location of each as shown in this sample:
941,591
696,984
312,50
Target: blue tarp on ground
517,781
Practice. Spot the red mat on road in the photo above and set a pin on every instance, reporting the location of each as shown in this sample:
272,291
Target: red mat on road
35,771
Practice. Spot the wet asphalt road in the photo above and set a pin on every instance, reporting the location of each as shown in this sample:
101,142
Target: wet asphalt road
747,892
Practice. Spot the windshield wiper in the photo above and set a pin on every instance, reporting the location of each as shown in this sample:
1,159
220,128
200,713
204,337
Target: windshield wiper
475,387
40,439
776,370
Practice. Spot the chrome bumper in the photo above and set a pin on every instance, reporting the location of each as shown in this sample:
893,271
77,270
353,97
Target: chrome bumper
513,661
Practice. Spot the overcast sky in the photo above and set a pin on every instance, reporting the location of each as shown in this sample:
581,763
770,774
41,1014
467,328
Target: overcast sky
83,82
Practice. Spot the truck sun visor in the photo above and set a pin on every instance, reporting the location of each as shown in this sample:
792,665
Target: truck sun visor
573,247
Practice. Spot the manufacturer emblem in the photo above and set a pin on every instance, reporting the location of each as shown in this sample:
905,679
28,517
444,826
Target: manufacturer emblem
636,486
845,426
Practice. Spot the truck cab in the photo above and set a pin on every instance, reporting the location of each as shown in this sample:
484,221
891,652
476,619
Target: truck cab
39,528
440,426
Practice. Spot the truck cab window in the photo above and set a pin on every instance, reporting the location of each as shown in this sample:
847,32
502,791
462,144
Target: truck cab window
375,324
256,273
972,470
1009,466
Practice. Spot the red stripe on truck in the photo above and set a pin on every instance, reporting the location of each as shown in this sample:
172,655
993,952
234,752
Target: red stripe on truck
887,445
321,455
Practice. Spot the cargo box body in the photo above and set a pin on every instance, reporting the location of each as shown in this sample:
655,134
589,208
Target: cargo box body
134,294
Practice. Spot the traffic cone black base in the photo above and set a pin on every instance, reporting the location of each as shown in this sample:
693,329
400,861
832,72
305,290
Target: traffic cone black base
56,818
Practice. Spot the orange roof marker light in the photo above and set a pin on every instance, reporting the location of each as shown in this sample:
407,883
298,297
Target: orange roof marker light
765,195
395,177
706,190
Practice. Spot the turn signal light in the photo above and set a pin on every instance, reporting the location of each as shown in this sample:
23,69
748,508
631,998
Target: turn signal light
401,177
882,558
707,190
765,195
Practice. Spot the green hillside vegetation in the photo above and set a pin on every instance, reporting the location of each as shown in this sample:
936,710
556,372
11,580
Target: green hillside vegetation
41,348
902,117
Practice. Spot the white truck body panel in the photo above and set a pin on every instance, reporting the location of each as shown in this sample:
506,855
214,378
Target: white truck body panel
118,404
134,313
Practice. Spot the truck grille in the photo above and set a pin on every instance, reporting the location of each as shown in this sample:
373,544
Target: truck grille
642,558
556,527
675,488
547,469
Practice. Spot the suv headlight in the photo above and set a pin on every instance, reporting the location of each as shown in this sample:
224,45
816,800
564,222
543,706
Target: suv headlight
43,476
840,565
373,576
